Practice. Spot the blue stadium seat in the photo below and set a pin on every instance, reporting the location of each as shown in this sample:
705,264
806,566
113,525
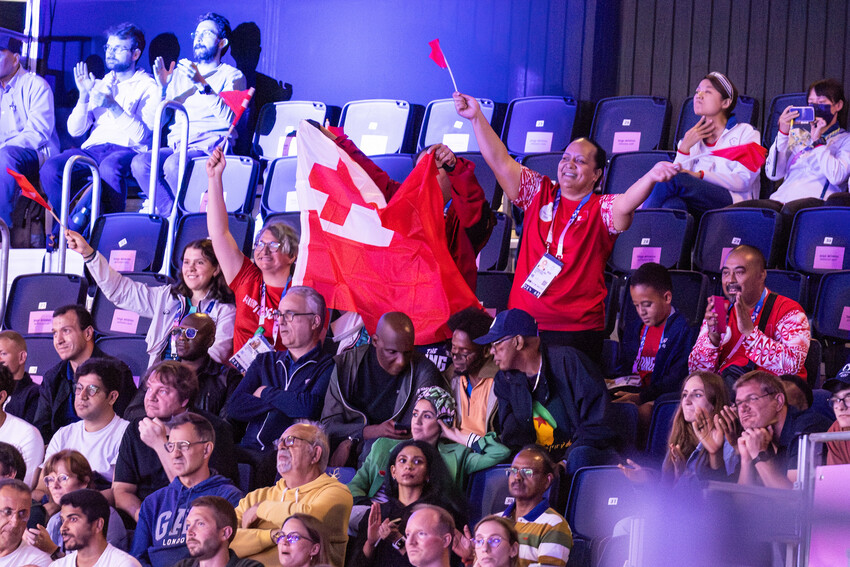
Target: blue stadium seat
193,227
342,474
488,492
777,106
625,169
547,164
108,322
787,283
240,185
656,235
131,240
442,125
819,242
41,356
813,362
631,123
746,112
279,187
660,424
497,251
293,219
820,403
133,350
690,294
832,308
33,298
614,286
623,421
493,290
278,119
721,230
377,126
539,124
397,166
486,178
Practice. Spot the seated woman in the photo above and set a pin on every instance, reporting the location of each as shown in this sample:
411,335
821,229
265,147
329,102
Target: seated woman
433,422
64,472
707,181
301,542
838,452
200,288
417,475
496,543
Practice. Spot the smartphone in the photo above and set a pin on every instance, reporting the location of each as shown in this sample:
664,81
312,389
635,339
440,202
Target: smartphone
807,114
399,543
720,311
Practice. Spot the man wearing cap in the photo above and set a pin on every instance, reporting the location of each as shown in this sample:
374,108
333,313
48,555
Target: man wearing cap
838,452
553,396
27,125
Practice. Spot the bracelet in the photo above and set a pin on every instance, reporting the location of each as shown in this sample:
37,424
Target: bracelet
701,174
90,257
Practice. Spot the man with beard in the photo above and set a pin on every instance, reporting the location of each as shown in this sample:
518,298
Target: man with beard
85,518
160,538
196,85
15,502
119,109
210,527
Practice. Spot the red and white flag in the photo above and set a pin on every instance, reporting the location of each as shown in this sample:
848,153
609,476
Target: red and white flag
237,101
365,255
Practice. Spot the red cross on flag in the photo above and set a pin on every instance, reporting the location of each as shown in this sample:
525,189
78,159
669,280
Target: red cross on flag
366,255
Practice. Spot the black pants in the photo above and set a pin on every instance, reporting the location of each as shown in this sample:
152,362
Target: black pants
588,342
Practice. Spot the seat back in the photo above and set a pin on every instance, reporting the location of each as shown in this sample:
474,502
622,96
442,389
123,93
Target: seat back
33,298
41,356
442,125
194,227
377,126
278,119
397,166
493,290
777,106
132,350
495,254
110,320
292,219
279,188
547,164
539,124
721,230
746,112
832,307
599,498
132,242
342,474
690,294
819,240
623,421
656,235
240,185
631,123
488,492
625,169
486,178
660,425
787,283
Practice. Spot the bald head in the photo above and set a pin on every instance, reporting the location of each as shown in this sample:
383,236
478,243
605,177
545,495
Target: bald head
203,327
393,341
743,275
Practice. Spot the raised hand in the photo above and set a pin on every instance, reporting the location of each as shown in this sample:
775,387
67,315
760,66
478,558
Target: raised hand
216,164
466,106
462,545
727,421
77,243
190,69
161,73
443,155
702,129
663,171
707,431
818,126
83,79
786,117
711,322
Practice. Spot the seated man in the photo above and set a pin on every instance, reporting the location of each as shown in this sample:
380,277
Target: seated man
428,536
98,436
302,458
550,395
14,430
73,338
15,499
23,400
160,538
764,330
144,465
27,131
210,527
282,387
838,452
373,389
85,519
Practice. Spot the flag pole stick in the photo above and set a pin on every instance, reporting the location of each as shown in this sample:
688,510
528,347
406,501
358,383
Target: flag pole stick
452,75
233,126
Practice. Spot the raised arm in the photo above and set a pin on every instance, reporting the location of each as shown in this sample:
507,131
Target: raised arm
506,168
227,252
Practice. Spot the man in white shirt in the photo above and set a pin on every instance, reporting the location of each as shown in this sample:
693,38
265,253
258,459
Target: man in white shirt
15,501
120,110
85,518
18,432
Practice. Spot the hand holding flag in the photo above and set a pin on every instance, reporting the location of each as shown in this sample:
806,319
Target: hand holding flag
28,191
440,59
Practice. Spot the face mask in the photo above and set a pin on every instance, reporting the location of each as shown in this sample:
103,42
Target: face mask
823,111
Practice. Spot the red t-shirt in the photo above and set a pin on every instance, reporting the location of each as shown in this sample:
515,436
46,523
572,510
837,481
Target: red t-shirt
645,361
575,300
247,287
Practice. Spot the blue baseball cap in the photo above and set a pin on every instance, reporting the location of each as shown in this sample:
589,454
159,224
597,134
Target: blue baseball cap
509,323
840,382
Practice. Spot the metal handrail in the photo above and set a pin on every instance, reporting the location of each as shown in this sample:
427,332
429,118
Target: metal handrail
66,200
181,171
4,266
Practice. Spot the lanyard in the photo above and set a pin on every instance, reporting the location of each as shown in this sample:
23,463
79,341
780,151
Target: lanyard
643,341
265,309
570,222
754,316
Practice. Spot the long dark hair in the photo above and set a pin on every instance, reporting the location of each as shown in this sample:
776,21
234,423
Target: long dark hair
219,290
681,432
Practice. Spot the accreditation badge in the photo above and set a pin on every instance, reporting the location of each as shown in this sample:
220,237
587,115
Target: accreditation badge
542,275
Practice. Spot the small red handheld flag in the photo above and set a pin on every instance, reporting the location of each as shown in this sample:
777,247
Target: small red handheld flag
237,101
28,191
439,58
752,155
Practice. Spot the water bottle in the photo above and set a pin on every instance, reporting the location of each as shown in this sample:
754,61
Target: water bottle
80,220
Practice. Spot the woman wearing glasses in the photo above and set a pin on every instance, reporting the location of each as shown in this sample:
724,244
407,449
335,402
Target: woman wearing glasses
200,288
64,472
416,475
496,543
260,285
838,452
301,542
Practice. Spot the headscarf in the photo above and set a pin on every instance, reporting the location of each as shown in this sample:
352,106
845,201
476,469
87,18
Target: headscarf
443,402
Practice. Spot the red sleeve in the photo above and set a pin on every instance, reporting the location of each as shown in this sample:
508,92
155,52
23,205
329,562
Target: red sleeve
385,183
467,195
246,274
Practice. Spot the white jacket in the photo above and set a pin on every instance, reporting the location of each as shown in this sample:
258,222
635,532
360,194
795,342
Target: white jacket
161,306
818,173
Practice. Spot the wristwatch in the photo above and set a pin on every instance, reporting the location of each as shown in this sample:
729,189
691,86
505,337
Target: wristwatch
206,90
765,456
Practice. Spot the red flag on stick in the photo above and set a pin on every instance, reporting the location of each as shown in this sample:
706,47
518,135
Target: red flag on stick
752,155
237,101
440,59
28,191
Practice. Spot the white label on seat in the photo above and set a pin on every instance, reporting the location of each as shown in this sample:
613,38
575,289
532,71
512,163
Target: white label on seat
457,142
32,369
122,243
613,501
827,240
537,142
736,241
291,201
509,500
627,121
373,125
539,124
644,241
625,142
458,124
42,305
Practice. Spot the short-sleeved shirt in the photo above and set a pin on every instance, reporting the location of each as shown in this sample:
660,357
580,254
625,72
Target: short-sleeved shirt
25,555
576,297
247,286
100,447
111,557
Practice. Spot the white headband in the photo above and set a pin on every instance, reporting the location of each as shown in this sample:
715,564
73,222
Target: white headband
727,85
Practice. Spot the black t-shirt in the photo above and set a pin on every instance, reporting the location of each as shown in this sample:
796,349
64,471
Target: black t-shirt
377,390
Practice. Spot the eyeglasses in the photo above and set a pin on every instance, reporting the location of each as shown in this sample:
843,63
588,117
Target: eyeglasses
116,49
526,473
91,390
291,538
462,355
202,33
188,332
63,478
288,441
500,341
181,446
273,246
750,400
288,316
492,541
835,401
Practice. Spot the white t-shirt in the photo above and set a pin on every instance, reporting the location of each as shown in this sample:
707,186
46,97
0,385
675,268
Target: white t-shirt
26,439
25,555
100,448
111,557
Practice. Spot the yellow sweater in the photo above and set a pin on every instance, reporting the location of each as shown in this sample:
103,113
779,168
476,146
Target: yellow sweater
324,498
